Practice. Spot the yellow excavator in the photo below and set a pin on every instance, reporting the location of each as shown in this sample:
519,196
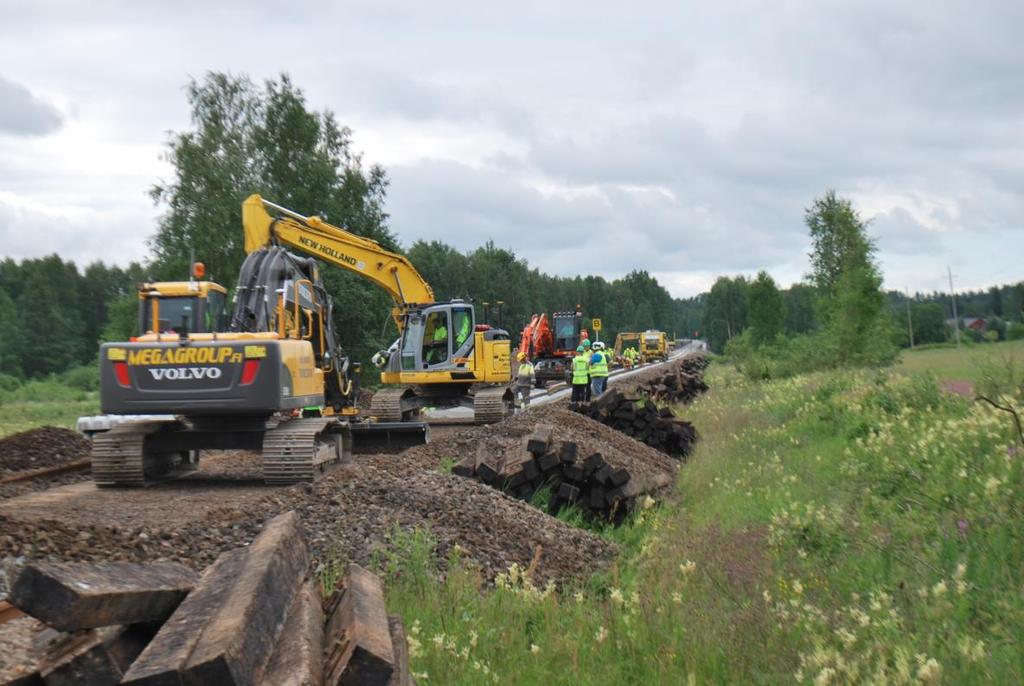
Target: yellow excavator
441,359
271,376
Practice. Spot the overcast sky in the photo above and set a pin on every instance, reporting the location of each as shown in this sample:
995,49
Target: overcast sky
685,138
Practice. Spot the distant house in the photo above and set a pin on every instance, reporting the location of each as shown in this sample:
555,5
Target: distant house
973,323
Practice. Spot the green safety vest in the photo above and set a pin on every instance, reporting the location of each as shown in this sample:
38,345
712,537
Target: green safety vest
580,369
440,334
600,368
525,374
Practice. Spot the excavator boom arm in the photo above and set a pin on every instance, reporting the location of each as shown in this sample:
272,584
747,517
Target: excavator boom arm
313,236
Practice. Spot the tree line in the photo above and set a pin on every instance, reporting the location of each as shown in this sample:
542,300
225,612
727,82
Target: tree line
52,314
723,312
840,315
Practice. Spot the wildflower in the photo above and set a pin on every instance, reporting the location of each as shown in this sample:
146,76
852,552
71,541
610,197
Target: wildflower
578,596
647,503
616,596
824,677
677,598
634,598
534,648
473,638
687,567
415,628
767,596
601,634
961,570
421,676
930,672
939,589
414,645
972,649
438,640
992,485
798,587
961,586
846,636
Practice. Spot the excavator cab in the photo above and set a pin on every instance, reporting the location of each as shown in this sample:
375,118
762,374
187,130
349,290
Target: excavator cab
182,307
567,327
438,337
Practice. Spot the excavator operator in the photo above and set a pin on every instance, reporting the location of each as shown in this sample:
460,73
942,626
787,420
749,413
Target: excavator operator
437,345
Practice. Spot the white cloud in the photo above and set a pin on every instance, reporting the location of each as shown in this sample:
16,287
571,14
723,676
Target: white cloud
24,114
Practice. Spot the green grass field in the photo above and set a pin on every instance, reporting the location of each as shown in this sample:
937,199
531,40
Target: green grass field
47,402
965,363
838,528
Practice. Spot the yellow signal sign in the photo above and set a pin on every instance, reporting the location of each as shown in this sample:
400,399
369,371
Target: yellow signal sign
596,324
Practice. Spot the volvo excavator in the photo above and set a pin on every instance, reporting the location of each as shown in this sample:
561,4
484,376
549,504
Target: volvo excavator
271,377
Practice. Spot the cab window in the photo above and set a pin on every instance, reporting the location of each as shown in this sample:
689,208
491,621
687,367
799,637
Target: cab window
435,338
175,314
462,323
215,316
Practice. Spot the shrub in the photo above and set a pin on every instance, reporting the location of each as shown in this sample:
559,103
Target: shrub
9,383
84,378
47,390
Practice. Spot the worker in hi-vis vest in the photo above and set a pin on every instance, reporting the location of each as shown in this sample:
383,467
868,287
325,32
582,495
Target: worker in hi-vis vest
580,375
524,380
599,368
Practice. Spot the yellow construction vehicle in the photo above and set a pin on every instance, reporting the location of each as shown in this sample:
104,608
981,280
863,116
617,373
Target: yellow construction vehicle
271,379
624,341
442,358
654,345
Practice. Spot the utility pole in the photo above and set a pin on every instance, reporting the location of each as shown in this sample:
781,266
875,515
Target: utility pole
952,295
910,321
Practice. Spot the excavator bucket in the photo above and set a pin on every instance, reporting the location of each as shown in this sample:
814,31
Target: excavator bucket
387,437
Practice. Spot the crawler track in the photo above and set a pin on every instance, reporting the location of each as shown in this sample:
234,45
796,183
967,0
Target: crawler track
386,404
299,450
119,456
491,405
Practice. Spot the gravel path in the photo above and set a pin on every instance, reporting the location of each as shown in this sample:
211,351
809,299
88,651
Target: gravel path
350,515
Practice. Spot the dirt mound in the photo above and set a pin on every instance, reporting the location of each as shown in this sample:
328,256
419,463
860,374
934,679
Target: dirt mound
46,446
618,450
688,370
648,471
348,515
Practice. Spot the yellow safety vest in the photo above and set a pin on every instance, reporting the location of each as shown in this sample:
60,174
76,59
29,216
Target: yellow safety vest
463,331
580,369
600,368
